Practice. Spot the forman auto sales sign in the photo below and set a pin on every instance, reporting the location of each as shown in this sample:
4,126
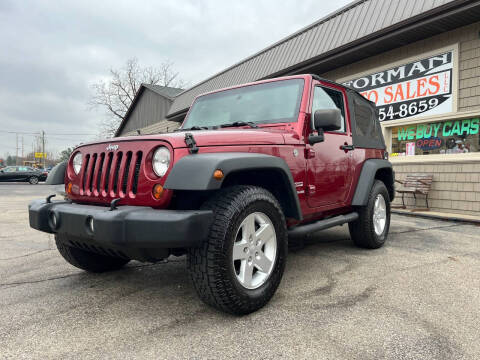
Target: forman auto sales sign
423,87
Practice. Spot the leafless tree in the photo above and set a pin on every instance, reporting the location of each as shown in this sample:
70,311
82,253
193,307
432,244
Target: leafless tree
116,94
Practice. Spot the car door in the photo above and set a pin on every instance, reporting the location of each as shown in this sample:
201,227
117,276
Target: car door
23,173
17,174
328,164
8,173
4,174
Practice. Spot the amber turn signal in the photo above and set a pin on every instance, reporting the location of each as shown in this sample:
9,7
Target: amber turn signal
157,191
69,188
218,174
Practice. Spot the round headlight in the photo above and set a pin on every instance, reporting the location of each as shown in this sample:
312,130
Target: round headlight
161,161
77,162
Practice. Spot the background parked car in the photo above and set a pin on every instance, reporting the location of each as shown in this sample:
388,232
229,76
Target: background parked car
22,173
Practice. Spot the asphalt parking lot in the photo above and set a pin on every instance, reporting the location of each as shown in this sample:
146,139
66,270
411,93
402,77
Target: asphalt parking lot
416,298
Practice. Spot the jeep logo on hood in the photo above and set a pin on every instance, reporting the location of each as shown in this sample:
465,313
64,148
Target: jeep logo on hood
111,147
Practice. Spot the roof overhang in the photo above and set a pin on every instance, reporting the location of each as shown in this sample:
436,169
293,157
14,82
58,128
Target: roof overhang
452,15
402,34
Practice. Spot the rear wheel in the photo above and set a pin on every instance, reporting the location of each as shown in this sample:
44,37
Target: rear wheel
33,180
371,229
240,266
87,260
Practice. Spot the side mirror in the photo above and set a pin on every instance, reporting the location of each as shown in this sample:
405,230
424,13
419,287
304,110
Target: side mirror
325,120
328,119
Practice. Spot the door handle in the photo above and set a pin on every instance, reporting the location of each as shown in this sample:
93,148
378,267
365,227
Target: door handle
347,147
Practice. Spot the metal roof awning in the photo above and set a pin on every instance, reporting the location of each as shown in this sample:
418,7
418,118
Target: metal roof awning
359,30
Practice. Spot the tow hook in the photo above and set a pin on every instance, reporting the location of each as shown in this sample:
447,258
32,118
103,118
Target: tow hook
113,204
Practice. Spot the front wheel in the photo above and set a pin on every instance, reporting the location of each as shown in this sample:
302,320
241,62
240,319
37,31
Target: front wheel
370,230
240,266
33,180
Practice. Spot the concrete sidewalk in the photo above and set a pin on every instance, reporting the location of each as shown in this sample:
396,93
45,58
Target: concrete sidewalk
438,215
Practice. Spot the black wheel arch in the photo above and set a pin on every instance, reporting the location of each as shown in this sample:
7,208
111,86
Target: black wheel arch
374,169
195,173
57,174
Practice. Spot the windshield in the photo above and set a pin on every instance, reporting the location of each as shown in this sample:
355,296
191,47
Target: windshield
273,102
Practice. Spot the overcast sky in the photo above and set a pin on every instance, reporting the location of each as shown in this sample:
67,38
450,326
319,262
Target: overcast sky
52,51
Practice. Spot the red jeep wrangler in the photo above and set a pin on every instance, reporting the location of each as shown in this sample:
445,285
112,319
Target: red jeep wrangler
251,166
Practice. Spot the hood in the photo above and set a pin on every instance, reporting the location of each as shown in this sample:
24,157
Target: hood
238,136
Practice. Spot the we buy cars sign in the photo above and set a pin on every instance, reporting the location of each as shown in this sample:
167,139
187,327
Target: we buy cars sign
423,87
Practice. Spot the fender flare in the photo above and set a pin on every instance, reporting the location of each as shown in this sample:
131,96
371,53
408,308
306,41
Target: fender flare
57,174
195,172
366,179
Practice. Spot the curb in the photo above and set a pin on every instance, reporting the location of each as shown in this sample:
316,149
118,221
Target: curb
435,216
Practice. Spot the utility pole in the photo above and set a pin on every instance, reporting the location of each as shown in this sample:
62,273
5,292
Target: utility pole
16,149
22,150
43,148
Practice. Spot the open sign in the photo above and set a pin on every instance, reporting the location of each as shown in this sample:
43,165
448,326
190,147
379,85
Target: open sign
429,144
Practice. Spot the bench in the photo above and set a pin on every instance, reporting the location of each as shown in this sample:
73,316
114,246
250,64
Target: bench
415,184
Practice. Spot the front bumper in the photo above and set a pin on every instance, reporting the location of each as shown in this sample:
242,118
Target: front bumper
135,232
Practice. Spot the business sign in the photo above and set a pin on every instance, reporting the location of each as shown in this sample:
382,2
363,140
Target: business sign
429,144
461,128
40,155
423,87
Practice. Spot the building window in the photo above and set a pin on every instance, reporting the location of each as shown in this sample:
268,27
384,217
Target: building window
445,137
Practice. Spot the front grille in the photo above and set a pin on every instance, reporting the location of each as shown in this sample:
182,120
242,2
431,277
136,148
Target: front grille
138,163
100,170
84,176
110,174
118,163
107,172
125,173
92,173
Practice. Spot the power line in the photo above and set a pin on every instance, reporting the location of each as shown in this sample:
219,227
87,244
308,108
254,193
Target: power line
40,140
69,138
83,134
7,146
39,133
19,132
64,139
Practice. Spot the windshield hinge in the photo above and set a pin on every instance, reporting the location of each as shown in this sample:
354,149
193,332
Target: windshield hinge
190,141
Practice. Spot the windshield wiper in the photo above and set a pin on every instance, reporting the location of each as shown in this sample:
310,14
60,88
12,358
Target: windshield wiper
240,123
194,128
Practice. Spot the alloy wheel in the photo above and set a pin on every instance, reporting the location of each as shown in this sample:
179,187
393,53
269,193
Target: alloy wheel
254,250
379,214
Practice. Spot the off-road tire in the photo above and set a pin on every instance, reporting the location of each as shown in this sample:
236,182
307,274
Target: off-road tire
86,260
362,230
210,266
33,180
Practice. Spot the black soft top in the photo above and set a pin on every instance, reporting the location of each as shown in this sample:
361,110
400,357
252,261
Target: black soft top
366,129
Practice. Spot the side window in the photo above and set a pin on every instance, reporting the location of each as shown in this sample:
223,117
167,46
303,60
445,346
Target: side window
326,98
365,120
10,169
